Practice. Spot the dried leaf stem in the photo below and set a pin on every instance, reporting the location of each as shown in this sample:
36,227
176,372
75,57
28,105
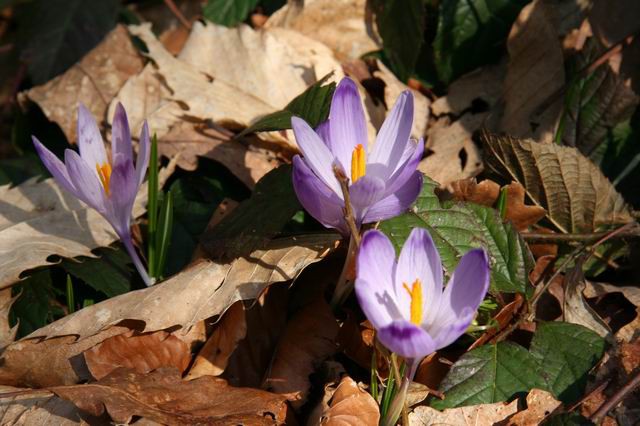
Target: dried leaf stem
176,12
534,237
616,398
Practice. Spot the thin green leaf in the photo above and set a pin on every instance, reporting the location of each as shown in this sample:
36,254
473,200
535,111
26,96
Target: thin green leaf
502,202
228,12
109,273
164,231
71,304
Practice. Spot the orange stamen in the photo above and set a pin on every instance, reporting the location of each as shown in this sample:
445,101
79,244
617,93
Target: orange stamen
358,163
104,173
415,292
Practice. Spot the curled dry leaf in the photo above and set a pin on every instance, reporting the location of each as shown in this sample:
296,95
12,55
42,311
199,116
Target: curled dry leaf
38,408
573,190
307,340
540,405
534,74
214,355
350,406
201,291
94,81
162,396
142,353
503,318
485,193
478,415
7,333
595,289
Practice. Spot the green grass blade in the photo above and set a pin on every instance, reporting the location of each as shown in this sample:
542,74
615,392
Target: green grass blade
153,208
71,304
163,235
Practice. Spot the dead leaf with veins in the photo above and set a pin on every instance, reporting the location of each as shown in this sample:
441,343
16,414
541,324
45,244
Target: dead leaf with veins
351,405
477,415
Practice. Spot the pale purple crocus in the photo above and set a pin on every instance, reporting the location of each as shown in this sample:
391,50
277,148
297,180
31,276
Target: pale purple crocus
108,184
383,180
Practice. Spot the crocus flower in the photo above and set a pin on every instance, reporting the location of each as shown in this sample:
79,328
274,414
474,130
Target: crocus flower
383,180
107,184
405,301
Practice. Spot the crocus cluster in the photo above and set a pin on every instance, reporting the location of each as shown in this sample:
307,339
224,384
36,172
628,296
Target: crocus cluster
383,180
108,184
405,300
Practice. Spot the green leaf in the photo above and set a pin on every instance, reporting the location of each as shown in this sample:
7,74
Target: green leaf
257,220
312,106
567,353
457,228
109,273
163,237
228,12
57,33
33,309
490,373
401,27
472,33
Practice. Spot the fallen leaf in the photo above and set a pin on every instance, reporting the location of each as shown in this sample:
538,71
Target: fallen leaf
573,190
38,408
350,406
478,415
503,318
535,73
7,333
485,193
521,214
201,291
356,341
595,289
340,25
432,370
94,81
214,356
162,396
307,340
540,405
142,353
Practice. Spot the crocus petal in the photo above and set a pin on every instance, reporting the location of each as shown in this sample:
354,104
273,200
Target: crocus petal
121,135
405,171
56,167
316,154
395,132
89,139
419,260
376,261
348,127
461,298
323,130
316,197
144,151
123,194
85,181
406,339
396,203
364,193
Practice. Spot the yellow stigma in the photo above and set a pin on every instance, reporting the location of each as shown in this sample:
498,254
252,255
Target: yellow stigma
415,292
104,173
358,163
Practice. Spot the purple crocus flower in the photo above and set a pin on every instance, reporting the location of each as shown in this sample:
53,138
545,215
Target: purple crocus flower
383,178
107,184
404,300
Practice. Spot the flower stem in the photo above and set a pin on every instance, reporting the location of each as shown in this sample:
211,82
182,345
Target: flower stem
345,281
128,244
398,405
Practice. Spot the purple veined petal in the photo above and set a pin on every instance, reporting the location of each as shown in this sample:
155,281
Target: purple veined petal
90,141
88,187
123,193
395,132
348,127
364,193
462,296
378,305
144,151
323,130
376,262
419,260
316,197
406,339
121,135
56,167
316,154
396,203
406,170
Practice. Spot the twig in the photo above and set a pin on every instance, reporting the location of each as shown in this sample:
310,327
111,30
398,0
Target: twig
348,209
534,237
174,9
616,398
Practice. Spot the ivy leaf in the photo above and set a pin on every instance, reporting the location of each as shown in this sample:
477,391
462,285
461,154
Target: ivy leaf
312,106
490,373
401,27
457,228
472,33
567,352
228,12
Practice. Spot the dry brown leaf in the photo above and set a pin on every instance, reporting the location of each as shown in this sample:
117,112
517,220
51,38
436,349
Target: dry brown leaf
214,356
38,408
40,219
308,339
540,404
94,81
477,415
142,353
451,154
521,214
201,291
338,24
350,406
248,162
7,333
485,193
356,341
432,370
163,396
595,289
503,318
534,74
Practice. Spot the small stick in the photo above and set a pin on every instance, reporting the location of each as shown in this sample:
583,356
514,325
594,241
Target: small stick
534,237
616,398
174,9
